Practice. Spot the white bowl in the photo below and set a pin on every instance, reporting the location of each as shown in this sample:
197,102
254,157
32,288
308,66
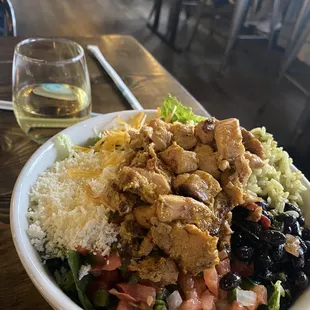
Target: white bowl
43,158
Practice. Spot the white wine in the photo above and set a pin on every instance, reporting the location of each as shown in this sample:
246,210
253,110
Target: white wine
42,110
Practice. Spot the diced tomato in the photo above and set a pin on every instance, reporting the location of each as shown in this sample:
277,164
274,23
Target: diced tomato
222,305
200,286
208,301
111,262
136,293
82,250
261,293
236,306
265,222
242,268
222,294
251,206
191,304
123,305
188,286
212,280
223,267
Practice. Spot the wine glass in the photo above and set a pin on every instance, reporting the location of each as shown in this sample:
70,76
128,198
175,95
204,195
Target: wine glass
51,87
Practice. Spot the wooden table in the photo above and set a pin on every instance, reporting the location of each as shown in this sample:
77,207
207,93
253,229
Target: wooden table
149,82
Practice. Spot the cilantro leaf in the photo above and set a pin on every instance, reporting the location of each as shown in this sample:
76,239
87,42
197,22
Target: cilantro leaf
274,299
173,110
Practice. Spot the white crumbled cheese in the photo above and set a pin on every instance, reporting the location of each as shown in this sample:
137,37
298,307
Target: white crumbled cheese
84,270
62,216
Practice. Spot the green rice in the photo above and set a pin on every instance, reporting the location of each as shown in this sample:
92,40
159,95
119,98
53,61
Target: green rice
275,181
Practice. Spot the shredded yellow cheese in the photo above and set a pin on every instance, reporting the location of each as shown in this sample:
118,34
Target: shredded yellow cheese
77,173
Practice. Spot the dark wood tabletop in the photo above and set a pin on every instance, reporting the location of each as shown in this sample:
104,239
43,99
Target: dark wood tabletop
148,81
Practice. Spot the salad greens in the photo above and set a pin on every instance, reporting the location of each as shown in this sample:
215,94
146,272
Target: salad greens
74,262
65,279
274,299
63,145
173,110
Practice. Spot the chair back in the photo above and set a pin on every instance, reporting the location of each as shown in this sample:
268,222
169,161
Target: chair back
7,19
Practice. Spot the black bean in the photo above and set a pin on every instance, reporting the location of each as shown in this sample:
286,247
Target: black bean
263,275
268,214
298,262
306,234
263,260
276,225
300,281
301,221
307,267
303,245
244,253
307,243
287,219
264,204
290,207
240,212
287,230
272,237
237,239
278,252
230,281
296,230
285,302
252,227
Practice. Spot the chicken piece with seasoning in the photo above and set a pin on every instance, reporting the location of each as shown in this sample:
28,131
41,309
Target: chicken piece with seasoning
252,144
207,160
228,139
234,181
170,208
193,249
161,135
146,184
183,135
179,160
157,269
204,131
200,185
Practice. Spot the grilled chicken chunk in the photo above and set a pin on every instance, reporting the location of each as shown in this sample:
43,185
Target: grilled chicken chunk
252,144
147,184
170,208
228,139
234,181
193,249
255,161
161,135
157,269
146,246
204,131
183,135
143,215
199,185
118,200
207,160
179,160
140,139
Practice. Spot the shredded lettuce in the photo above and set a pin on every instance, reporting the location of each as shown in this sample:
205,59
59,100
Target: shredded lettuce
275,298
63,146
173,110
65,280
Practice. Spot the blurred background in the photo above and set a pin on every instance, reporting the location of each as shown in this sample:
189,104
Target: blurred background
244,59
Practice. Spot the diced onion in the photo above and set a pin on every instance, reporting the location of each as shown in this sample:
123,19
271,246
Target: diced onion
174,300
246,298
292,245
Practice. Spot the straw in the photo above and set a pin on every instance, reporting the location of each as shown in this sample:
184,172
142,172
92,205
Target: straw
132,100
8,105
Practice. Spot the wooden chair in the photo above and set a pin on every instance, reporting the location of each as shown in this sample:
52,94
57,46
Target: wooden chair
7,19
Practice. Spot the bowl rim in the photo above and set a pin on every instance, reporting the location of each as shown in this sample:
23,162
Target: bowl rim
42,281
